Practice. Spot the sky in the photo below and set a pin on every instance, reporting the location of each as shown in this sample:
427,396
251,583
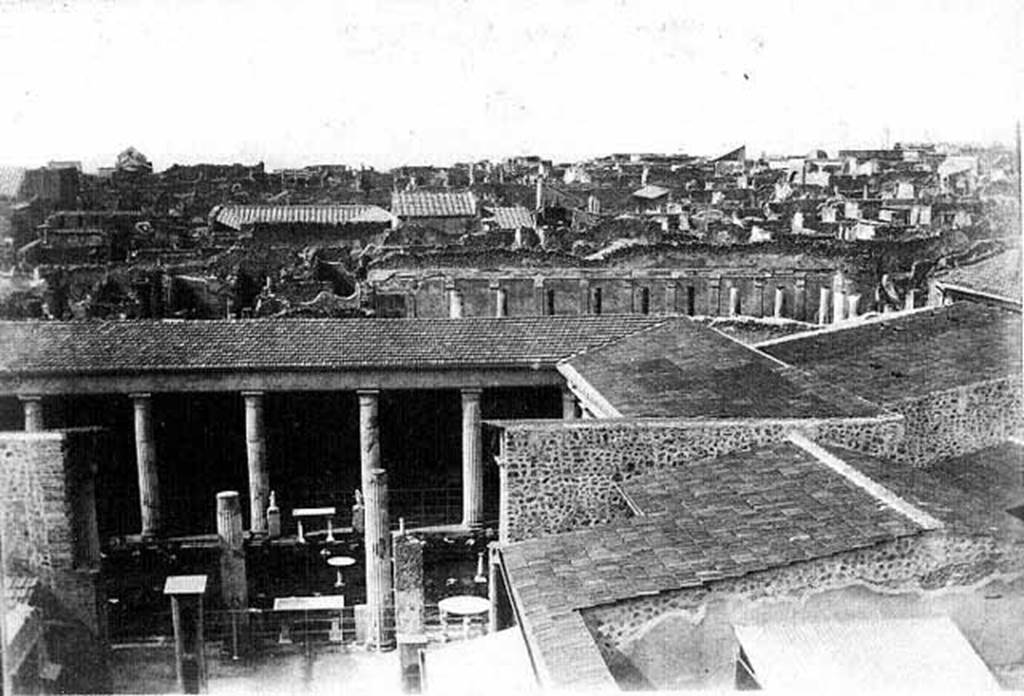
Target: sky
439,81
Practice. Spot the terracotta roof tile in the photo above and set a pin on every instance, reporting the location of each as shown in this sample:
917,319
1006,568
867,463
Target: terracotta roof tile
236,216
338,344
910,355
433,204
681,368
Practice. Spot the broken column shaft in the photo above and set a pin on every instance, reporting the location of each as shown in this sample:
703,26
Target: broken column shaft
379,596
145,455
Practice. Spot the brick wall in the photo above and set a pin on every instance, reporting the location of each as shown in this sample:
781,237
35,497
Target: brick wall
50,522
557,476
959,421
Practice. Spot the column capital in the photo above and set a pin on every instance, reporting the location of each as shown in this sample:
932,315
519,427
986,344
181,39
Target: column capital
471,392
30,397
368,393
138,396
253,393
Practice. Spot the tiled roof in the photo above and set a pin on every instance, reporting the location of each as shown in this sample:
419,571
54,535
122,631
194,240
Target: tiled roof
331,344
910,355
513,217
969,493
684,369
998,275
235,216
722,518
20,589
433,204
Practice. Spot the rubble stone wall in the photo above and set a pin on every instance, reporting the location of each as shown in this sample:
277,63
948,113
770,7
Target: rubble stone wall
559,476
959,421
920,575
50,515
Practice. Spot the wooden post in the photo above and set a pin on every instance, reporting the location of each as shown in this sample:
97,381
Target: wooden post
145,455
472,460
256,456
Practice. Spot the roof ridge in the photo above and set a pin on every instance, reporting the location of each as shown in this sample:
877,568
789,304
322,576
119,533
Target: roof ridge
846,325
658,323
866,483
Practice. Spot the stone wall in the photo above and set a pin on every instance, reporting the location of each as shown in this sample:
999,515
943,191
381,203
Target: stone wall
959,421
934,573
576,291
50,531
557,476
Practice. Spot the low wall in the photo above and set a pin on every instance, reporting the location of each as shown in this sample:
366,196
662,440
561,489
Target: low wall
557,476
959,421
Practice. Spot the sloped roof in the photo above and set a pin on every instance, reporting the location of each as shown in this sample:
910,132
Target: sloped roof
681,368
513,217
41,347
998,275
415,204
911,354
235,216
702,522
10,181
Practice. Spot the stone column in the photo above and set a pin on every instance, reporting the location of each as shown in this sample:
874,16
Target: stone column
757,307
838,306
493,591
369,434
540,298
234,587
145,456
472,460
853,302
780,302
32,405
823,302
911,300
454,304
256,455
800,299
672,296
714,287
568,404
585,296
500,299
379,595
734,301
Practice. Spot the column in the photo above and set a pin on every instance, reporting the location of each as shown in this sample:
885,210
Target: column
454,304
757,307
853,302
145,456
500,298
568,404
256,455
672,296
369,435
585,307
838,306
800,299
379,596
911,300
714,285
823,301
734,301
32,405
234,587
539,296
780,302
472,460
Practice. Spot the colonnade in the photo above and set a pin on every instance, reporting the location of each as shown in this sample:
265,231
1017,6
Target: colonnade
256,453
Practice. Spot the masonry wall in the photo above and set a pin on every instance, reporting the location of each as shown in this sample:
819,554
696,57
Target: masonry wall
959,421
574,290
559,476
684,640
50,532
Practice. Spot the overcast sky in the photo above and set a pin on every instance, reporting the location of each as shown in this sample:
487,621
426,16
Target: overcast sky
295,83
